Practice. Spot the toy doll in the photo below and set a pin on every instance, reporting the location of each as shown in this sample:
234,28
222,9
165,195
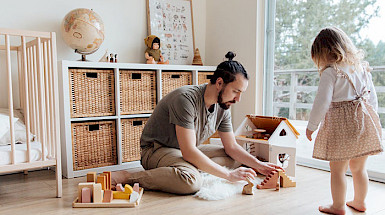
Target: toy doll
153,53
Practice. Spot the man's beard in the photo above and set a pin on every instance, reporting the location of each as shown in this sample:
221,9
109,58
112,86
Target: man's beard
222,104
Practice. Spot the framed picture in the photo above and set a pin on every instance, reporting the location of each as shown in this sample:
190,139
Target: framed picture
172,22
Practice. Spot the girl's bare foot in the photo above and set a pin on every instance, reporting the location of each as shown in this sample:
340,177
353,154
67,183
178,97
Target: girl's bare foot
361,207
330,210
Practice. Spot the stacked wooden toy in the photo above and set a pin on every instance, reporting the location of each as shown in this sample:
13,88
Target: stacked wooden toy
97,189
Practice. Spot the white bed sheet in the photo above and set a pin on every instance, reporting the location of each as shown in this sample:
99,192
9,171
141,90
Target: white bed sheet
21,153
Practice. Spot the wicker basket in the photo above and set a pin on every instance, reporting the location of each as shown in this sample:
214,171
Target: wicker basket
131,133
173,80
204,77
93,144
92,92
137,91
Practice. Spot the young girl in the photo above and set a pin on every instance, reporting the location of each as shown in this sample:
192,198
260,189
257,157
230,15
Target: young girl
347,102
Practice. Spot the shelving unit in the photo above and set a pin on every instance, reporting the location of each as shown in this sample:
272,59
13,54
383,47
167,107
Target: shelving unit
179,74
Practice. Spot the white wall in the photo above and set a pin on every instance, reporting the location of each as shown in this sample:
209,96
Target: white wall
220,26
232,26
125,23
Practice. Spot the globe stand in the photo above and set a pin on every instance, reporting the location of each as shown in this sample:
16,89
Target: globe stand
84,54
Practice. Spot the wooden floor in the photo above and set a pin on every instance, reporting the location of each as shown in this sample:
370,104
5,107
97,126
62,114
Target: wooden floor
35,194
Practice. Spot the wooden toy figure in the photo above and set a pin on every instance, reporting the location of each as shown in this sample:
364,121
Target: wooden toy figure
153,53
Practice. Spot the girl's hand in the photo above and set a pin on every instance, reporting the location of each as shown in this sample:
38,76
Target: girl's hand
308,134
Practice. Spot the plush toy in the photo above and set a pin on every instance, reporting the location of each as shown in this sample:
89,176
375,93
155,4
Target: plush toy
153,53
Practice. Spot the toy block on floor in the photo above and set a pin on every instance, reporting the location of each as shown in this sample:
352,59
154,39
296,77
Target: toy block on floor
119,187
128,189
136,187
120,195
108,174
81,186
108,196
91,177
102,180
248,188
270,181
134,196
86,195
285,181
97,193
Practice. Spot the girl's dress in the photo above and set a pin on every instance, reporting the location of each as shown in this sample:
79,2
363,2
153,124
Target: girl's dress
352,128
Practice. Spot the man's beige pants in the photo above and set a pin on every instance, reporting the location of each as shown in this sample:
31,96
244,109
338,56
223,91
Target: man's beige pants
167,171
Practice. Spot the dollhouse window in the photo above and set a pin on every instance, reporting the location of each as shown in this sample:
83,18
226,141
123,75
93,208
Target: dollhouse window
282,133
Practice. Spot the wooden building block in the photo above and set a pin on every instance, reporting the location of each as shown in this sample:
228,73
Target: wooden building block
108,196
248,188
136,187
81,186
285,180
91,177
86,195
120,195
108,174
128,189
102,180
134,196
97,193
119,187
270,181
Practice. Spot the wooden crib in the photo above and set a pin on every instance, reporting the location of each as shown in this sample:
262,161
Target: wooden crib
38,93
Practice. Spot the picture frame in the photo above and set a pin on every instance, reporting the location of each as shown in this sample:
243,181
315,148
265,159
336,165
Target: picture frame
172,22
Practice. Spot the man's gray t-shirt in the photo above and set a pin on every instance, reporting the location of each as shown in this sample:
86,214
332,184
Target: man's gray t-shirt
185,107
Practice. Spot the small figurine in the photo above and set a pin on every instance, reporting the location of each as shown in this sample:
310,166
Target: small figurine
111,58
153,53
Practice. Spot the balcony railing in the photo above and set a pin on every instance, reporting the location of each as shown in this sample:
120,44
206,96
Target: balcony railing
293,89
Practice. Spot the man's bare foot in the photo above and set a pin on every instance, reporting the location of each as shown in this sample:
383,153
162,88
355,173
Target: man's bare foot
330,210
361,207
119,177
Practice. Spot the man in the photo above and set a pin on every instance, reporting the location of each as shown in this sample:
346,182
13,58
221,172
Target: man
185,118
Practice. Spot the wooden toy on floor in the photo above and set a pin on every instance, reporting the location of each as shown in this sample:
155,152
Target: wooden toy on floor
108,196
97,193
81,186
248,188
136,187
119,187
108,174
91,177
86,195
285,181
270,181
276,179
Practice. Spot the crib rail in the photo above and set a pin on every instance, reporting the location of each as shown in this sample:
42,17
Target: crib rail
38,93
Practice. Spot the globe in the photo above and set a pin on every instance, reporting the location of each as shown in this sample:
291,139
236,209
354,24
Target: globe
83,31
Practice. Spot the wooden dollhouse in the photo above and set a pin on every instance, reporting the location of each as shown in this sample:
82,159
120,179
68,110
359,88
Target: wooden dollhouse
272,139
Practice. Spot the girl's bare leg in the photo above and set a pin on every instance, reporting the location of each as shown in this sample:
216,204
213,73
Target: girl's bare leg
338,188
360,182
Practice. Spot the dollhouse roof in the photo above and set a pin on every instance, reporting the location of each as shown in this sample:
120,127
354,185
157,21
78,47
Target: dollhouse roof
271,123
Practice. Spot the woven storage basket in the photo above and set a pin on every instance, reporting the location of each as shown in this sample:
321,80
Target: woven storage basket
204,77
131,133
92,92
174,80
93,144
137,91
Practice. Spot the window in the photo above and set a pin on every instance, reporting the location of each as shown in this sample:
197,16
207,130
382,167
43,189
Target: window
292,80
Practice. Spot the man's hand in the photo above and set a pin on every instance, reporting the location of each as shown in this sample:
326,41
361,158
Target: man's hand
308,134
241,173
266,168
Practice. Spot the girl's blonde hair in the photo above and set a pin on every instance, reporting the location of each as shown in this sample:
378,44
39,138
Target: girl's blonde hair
332,46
